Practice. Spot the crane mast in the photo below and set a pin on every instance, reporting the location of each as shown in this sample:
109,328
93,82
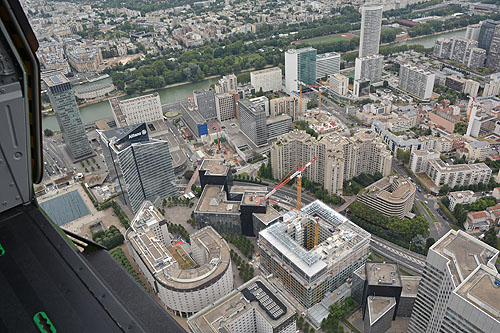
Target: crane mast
298,174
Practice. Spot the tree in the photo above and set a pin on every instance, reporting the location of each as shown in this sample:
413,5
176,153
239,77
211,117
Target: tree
490,237
428,243
444,189
48,132
403,156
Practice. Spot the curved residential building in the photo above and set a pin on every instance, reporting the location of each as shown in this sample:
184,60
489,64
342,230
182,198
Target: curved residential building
185,278
392,196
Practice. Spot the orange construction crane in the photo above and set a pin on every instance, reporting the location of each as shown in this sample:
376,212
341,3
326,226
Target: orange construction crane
319,97
297,174
218,141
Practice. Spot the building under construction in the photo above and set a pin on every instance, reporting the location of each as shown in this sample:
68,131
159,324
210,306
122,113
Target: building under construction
313,251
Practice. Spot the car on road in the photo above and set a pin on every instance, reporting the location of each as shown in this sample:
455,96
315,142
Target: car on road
426,202
420,190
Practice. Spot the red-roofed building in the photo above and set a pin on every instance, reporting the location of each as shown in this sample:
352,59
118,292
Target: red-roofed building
477,221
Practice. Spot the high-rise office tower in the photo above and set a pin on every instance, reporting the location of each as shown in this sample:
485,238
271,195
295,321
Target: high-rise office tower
300,65
369,63
63,102
253,121
371,26
205,101
459,290
142,165
327,64
486,34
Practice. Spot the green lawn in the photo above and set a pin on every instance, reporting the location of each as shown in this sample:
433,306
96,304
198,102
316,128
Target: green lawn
323,40
433,218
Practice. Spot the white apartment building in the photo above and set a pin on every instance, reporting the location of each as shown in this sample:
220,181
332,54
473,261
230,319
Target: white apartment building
269,79
471,87
416,81
339,83
142,109
284,105
457,175
227,84
327,64
255,307
338,158
459,290
184,282
419,159
477,150
225,106
473,31
492,87
461,197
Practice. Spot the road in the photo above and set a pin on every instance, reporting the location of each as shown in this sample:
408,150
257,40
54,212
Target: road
393,252
437,229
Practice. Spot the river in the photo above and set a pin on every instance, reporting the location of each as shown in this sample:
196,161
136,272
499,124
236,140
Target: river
428,41
101,110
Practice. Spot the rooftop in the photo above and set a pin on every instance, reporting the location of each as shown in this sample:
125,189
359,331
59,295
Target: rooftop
378,306
214,167
169,264
410,285
338,238
55,80
394,189
464,253
482,288
257,295
266,70
214,200
383,274
443,167
252,197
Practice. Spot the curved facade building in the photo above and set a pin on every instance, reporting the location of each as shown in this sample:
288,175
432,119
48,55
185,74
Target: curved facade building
185,278
392,196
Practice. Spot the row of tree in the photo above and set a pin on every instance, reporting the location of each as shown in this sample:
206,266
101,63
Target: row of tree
474,187
241,242
246,272
399,231
120,257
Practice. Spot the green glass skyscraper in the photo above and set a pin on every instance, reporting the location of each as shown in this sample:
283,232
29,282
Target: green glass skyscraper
300,65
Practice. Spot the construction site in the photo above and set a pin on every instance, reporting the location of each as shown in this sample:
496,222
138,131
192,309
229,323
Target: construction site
312,251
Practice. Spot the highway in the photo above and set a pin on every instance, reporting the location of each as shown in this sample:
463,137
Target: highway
393,252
